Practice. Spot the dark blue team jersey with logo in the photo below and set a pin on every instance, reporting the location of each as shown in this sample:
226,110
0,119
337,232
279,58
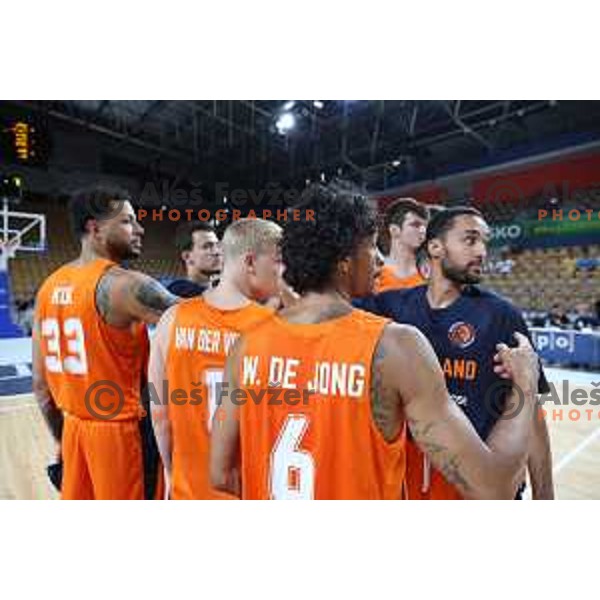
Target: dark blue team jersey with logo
464,336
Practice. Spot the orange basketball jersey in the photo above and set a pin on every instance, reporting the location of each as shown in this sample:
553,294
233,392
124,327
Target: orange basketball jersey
306,428
93,369
388,280
423,481
200,339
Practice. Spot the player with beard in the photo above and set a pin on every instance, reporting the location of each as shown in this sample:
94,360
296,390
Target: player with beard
463,323
90,350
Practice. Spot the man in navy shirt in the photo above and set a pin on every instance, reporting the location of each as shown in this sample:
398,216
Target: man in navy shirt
200,251
463,323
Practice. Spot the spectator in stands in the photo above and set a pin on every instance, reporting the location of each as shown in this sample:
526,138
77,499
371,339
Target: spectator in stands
586,262
584,318
537,319
200,251
568,263
556,317
505,265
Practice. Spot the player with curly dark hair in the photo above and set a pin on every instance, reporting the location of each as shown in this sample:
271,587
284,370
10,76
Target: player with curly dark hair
316,400
317,252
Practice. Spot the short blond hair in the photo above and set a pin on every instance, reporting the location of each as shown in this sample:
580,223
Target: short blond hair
250,235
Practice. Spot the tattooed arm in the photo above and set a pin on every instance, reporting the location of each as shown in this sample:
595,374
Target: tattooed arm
225,431
52,414
407,374
124,296
539,463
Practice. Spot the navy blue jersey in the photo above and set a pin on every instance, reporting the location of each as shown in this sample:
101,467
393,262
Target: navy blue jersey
186,288
464,337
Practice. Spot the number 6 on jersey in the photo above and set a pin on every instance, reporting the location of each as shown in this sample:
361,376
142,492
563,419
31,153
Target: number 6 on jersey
292,471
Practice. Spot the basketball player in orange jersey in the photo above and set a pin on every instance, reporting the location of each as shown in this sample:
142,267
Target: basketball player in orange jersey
365,378
90,349
191,344
405,222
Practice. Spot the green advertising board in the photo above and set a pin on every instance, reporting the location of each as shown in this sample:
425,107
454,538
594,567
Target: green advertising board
548,232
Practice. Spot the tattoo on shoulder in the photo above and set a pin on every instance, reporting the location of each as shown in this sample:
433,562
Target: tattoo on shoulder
447,462
117,285
383,403
103,290
153,296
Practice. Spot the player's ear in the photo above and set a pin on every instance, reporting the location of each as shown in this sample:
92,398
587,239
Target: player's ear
92,227
344,267
185,256
394,230
249,261
435,249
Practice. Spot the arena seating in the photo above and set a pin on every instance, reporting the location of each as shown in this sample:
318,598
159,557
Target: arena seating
545,276
538,278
